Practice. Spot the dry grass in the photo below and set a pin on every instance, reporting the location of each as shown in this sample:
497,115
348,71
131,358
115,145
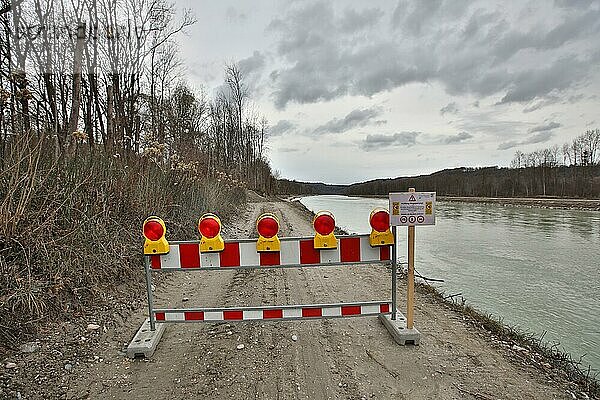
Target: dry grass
70,228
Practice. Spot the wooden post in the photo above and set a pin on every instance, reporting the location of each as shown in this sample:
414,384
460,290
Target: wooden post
394,274
410,300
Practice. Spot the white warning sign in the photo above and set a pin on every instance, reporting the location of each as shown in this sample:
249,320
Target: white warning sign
412,208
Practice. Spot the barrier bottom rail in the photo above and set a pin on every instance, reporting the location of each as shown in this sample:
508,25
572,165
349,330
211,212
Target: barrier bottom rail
288,312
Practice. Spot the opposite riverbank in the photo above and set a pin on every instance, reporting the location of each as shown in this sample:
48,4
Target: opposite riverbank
545,202
541,202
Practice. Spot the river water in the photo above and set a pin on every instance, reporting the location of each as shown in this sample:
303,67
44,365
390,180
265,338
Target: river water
535,268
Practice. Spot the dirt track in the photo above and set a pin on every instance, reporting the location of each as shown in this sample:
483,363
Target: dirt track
352,358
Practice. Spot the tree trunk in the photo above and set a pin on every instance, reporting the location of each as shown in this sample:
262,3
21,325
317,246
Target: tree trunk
21,80
96,98
110,111
76,98
544,180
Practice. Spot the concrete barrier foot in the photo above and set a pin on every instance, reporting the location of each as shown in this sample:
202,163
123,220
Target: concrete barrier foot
145,340
397,328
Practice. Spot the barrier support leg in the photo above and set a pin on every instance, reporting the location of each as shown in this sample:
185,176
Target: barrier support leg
147,337
149,291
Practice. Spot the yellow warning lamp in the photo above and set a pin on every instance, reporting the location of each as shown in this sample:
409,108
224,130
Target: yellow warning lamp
154,231
380,228
324,225
210,229
267,226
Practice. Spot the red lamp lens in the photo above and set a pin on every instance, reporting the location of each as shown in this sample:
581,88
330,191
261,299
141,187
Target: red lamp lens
380,221
267,227
324,224
153,230
209,227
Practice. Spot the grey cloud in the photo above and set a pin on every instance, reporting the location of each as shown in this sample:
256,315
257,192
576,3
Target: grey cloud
540,137
531,84
544,127
274,75
281,127
508,145
450,108
538,104
356,118
570,3
455,139
414,17
254,63
324,59
302,28
300,84
446,139
382,68
353,20
552,99
326,63
252,68
488,123
569,29
534,107
334,72
478,21
377,141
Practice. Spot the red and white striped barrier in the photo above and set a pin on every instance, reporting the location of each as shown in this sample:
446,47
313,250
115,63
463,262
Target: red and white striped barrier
295,252
294,312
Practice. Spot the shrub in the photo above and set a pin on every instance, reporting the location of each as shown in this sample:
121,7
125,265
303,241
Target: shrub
70,227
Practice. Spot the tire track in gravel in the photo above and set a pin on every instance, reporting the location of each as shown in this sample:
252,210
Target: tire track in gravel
296,373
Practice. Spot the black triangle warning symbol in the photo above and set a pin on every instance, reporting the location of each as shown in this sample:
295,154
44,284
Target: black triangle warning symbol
412,198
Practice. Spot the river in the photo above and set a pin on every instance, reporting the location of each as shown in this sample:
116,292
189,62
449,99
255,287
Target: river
537,269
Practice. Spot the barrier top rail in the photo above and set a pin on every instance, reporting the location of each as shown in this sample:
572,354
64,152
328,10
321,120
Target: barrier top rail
293,253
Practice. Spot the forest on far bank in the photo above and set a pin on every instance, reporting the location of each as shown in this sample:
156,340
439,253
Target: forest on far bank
570,171
561,181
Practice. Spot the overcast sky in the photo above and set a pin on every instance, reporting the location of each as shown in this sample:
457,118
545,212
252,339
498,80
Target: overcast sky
356,90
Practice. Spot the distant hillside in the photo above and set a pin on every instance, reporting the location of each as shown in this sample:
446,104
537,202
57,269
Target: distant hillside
558,181
285,186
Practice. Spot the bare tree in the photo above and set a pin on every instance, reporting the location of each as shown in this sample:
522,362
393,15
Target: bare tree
108,72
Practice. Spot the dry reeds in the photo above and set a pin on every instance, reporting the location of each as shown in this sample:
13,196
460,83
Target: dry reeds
70,227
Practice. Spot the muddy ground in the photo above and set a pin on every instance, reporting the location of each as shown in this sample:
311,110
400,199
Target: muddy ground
353,358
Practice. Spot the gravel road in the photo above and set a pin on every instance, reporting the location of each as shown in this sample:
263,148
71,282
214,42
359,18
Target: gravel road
352,358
